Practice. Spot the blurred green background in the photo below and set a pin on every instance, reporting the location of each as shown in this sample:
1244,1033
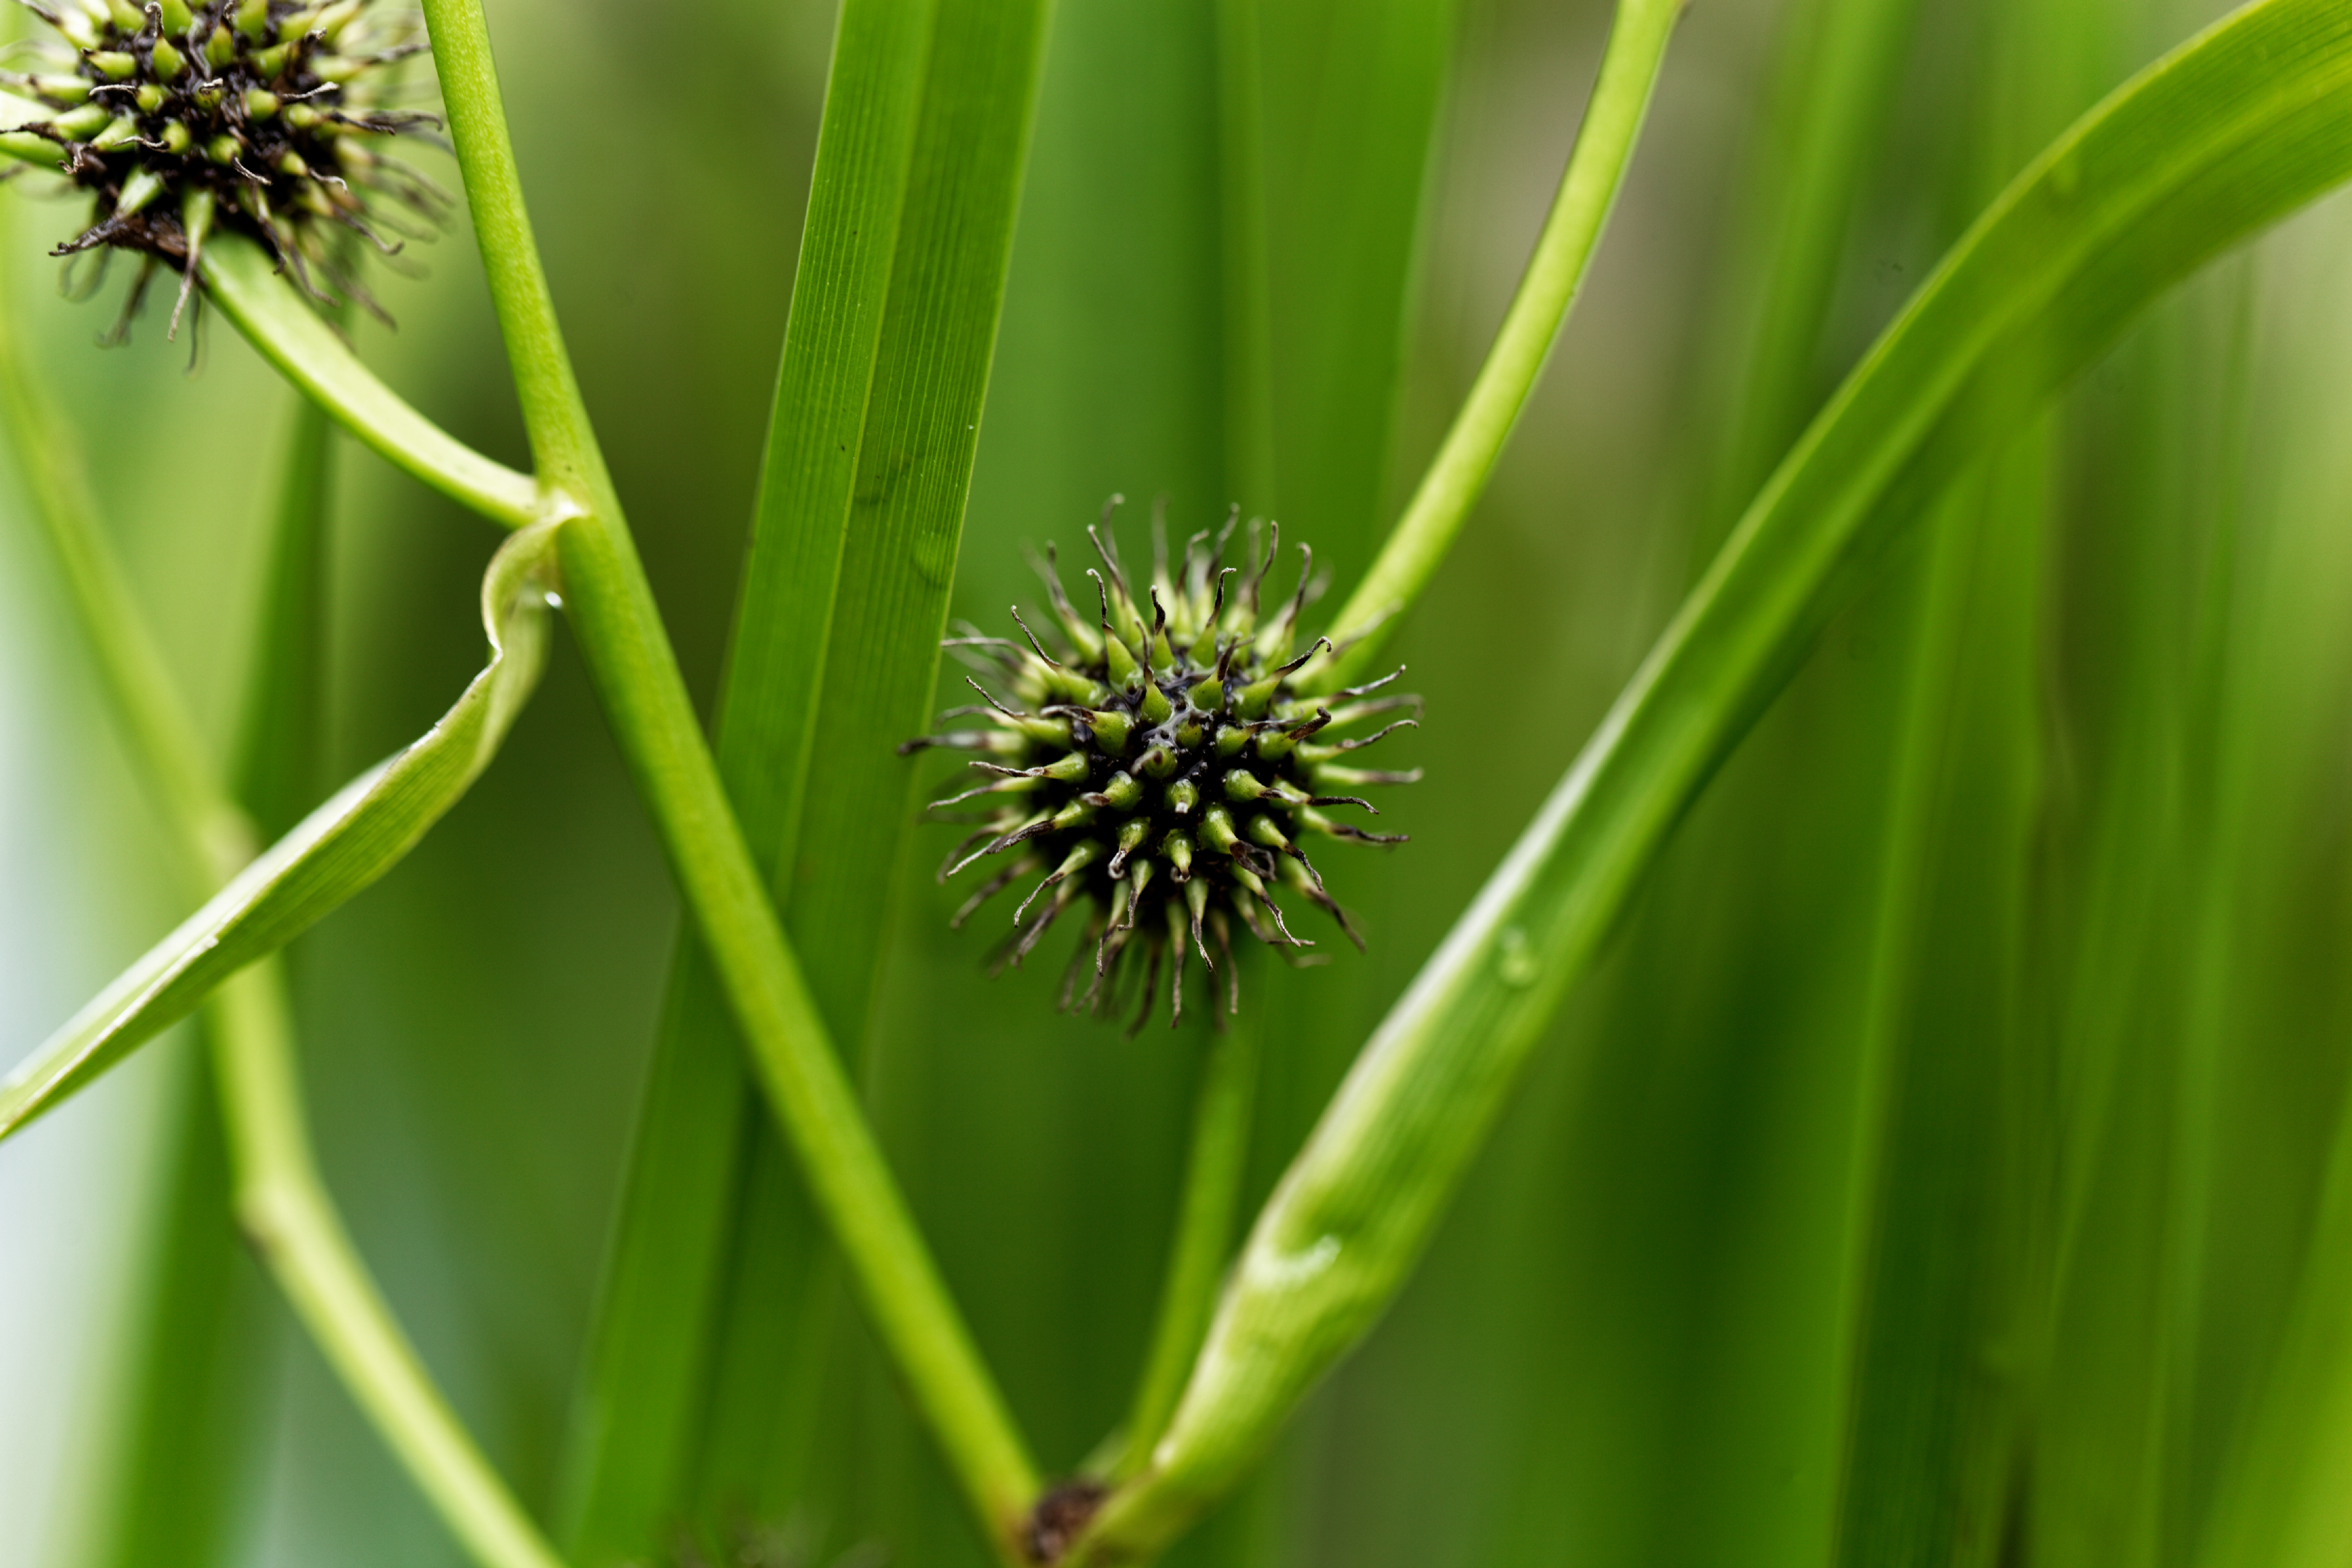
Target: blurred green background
1932,1171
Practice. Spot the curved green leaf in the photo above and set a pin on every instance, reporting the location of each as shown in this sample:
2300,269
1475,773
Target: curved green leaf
337,850
2231,132
244,283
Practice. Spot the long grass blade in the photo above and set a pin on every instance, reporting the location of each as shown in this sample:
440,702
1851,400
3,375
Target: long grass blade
904,513
1351,98
138,679
171,1470
1940,1254
1826,127
2232,130
285,1212
629,656
642,1383
914,469
881,250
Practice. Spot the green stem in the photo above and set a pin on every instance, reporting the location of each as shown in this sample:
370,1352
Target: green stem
628,653
1455,478
286,1212
311,354
280,1200
1203,1241
554,416
211,834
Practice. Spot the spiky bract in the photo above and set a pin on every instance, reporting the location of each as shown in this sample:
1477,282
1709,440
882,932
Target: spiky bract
1161,767
257,115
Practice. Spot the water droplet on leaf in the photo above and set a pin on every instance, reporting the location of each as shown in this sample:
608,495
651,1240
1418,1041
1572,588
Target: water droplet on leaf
1516,960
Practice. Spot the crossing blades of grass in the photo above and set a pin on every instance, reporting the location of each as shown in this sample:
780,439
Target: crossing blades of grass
170,1470
883,376
331,854
253,1158
2242,124
905,473
899,508
642,1382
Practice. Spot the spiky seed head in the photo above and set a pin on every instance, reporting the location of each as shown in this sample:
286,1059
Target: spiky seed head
185,117
1159,766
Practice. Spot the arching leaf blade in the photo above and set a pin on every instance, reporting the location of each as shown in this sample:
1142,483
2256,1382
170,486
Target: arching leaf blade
342,847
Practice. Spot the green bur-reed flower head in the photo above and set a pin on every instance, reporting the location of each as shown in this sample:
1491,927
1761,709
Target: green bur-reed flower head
1163,768
182,117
